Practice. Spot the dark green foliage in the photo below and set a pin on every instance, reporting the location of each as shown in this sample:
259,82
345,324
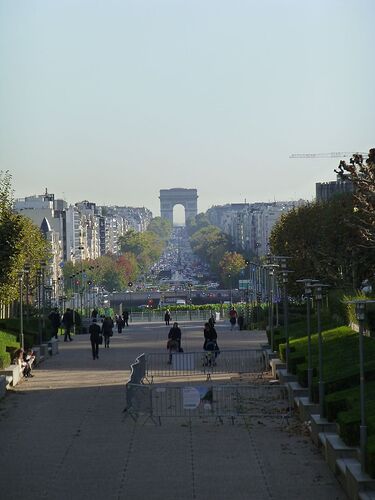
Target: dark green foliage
8,345
323,241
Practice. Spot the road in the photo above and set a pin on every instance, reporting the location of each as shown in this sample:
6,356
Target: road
63,434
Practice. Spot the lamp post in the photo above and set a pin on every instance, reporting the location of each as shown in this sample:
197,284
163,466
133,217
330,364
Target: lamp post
20,281
39,303
26,270
230,285
130,284
73,278
308,282
43,291
318,288
360,308
271,266
189,289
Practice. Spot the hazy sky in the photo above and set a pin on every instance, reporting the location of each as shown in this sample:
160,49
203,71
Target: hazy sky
113,100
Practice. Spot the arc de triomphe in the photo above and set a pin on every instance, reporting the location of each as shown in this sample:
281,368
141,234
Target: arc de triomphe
178,196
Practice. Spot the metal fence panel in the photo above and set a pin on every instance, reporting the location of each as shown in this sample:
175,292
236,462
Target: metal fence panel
172,401
151,315
256,400
138,399
204,362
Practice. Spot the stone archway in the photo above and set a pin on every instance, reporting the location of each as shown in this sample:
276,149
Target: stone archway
178,196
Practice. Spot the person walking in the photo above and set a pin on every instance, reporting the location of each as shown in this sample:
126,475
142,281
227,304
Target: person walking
68,322
232,317
210,345
107,330
174,340
94,313
55,320
119,323
125,316
95,337
167,317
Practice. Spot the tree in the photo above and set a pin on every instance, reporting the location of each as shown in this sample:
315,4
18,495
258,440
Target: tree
210,244
21,242
161,227
146,247
362,175
231,266
323,241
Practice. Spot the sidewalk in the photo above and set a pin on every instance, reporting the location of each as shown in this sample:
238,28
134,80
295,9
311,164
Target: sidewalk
63,435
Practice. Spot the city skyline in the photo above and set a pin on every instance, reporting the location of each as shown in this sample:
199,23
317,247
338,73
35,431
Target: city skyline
115,101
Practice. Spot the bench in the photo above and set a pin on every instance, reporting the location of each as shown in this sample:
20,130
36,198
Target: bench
53,347
12,374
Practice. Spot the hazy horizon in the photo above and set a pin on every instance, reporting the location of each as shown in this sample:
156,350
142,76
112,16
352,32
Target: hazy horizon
112,101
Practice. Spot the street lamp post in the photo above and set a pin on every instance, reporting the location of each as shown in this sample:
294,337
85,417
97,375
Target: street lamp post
284,274
20,280
26,270
189,288
360,308
43,291
318,287
308,292
271,269
39,303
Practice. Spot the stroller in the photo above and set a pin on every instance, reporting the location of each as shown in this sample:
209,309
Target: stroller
212,352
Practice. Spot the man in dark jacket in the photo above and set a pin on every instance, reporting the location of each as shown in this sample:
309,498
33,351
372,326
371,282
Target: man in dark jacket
68,324
94,331
107,330
55,320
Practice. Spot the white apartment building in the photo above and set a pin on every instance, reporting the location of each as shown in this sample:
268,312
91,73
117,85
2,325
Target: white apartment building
250,224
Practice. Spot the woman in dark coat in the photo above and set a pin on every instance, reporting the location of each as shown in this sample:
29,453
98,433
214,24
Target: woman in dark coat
107,330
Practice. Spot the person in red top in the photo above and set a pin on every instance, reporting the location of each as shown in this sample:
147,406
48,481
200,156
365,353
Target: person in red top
232,317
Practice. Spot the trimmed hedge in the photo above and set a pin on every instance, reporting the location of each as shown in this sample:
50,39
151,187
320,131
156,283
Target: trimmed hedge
341,381
8,344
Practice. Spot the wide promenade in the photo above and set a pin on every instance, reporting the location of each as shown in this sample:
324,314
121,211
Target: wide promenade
63,435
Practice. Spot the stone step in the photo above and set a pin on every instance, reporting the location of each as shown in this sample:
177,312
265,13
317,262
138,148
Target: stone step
286,376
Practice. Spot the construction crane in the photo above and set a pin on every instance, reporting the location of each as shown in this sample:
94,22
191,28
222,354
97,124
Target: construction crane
328,155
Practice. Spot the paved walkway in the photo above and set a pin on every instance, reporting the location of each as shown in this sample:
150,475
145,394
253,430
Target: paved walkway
63,435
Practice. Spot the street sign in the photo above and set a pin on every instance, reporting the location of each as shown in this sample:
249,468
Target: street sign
244,284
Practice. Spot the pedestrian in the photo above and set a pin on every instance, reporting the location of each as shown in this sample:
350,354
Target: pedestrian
55,320
174,340
107,330
232,317
167,317
94,313
210,345
95,338
125,316
119,323
68,322
241,320
211,321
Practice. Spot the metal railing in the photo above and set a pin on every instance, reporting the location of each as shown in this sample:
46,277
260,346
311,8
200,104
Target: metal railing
204,363
222,401
152,316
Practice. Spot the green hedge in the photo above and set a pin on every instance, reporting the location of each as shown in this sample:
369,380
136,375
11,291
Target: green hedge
8,344
341,381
